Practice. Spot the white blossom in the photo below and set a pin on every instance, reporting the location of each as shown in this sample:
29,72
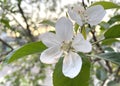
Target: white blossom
64,44
92,15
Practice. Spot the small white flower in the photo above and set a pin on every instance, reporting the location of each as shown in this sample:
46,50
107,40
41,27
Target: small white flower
93,15
63,43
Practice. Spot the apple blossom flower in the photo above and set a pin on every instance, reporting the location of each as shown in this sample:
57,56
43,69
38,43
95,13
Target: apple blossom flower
64,44
92,15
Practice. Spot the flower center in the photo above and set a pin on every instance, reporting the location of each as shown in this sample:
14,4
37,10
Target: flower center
66,46
83,16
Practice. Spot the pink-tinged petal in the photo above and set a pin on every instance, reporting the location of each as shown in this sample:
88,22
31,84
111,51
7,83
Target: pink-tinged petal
72,64
64,29
95,14
49,39
75,16
51,55
81,45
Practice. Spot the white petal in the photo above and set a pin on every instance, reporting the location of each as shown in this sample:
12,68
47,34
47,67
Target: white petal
49,39
79,8
64,29
51,55
81,45
72,64
74,16
95,14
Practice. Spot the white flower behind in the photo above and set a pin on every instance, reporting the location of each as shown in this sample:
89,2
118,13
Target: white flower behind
92,15
64,44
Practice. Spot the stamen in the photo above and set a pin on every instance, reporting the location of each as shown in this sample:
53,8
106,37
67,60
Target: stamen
66,46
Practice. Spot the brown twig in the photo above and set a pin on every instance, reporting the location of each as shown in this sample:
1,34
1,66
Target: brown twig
5,43
118,70
103,82
100,48
5,53
109,67
95,40
19,23
117,76
102,51
83,3
27,25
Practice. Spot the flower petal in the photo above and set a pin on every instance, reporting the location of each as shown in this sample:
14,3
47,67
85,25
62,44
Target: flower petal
95,14
51,55
64,29
72,64
49,39
80,44
74,16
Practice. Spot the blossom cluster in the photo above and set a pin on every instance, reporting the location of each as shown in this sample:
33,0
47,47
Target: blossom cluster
64,43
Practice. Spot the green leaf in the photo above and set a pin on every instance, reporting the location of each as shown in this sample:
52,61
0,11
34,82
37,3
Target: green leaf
104,25
66,14
101,74
76,27
6,22
111,56
113,83
83,31
48,22
25,50
82,79
109,41
114,19
113,32
108,49
5,1
106,4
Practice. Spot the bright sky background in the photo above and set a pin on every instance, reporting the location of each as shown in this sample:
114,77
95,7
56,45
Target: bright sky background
43,14
32,9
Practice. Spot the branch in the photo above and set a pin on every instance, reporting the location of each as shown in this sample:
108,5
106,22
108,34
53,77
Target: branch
117,75
118,70
95,40
18,22
27,25
5,53
100,48
83,3
109,67
104,81
6,44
